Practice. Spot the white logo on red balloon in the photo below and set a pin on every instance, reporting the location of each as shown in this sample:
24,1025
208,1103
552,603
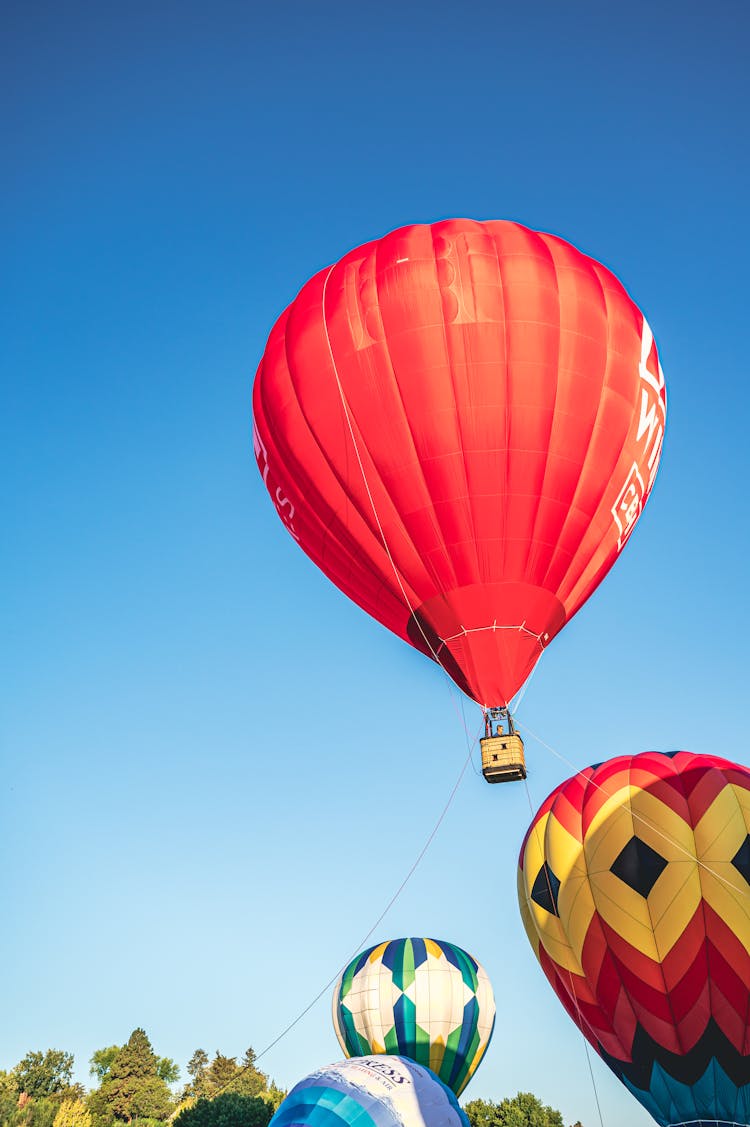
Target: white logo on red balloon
284,506
650,435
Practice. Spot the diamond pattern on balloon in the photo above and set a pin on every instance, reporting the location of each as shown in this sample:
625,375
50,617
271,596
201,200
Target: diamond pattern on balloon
741,859
639,866
546,889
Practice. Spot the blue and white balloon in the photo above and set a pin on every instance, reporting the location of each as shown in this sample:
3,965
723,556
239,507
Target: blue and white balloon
376,1091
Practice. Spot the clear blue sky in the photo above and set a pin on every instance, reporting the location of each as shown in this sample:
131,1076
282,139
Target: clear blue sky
173,855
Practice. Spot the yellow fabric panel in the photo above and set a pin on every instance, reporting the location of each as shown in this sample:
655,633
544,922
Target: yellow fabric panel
718,836
625,911
673,903
633,811
575,903
437,1052
652,926
554,938
564,853
610,830
661,827
534,853
731,905
529,926
580,910
433,948
723,828
377,952
551,841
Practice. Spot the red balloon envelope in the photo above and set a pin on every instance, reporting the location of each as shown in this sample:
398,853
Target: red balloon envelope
460,424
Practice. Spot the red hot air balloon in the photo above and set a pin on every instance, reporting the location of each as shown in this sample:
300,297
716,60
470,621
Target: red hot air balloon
460,424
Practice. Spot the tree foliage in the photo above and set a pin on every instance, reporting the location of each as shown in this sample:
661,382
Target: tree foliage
523,1110
101,1061
73,1113
212,1077
44,1074
132,1087
230,1109
33,1113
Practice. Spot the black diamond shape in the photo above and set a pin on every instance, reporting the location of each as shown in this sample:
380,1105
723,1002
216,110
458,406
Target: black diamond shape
545,890
741,859
639,866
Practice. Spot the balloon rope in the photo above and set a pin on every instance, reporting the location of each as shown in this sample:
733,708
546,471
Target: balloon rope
369,934
638,817
572,992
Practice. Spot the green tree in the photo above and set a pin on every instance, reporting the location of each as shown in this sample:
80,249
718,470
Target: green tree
221,1072
96,1102
33,1113
101,1061
8,1096
224,1074
250,1081
43,1074
273,1096
73,1113
523,1110
198,1085
167,1070
133,1089
230,1109
481,1113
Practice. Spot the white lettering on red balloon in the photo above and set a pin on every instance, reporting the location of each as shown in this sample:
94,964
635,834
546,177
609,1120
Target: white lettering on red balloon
284,506
649,437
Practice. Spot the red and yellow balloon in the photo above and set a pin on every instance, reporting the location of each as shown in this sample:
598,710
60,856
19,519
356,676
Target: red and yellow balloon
634,888
460,424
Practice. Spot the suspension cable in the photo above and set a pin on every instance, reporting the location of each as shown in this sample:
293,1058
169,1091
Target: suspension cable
376,924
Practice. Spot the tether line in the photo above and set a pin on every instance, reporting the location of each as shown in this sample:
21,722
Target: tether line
363,941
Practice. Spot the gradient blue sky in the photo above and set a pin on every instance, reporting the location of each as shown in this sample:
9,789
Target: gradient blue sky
174,856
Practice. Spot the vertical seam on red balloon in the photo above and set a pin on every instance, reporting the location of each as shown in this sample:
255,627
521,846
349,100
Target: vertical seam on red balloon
574,565
459,428
495,228
363,555
585,583
571,499
532,551
447,562
364,476
376,528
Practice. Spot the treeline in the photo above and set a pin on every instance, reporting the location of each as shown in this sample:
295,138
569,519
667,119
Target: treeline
132,1084
523,1110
